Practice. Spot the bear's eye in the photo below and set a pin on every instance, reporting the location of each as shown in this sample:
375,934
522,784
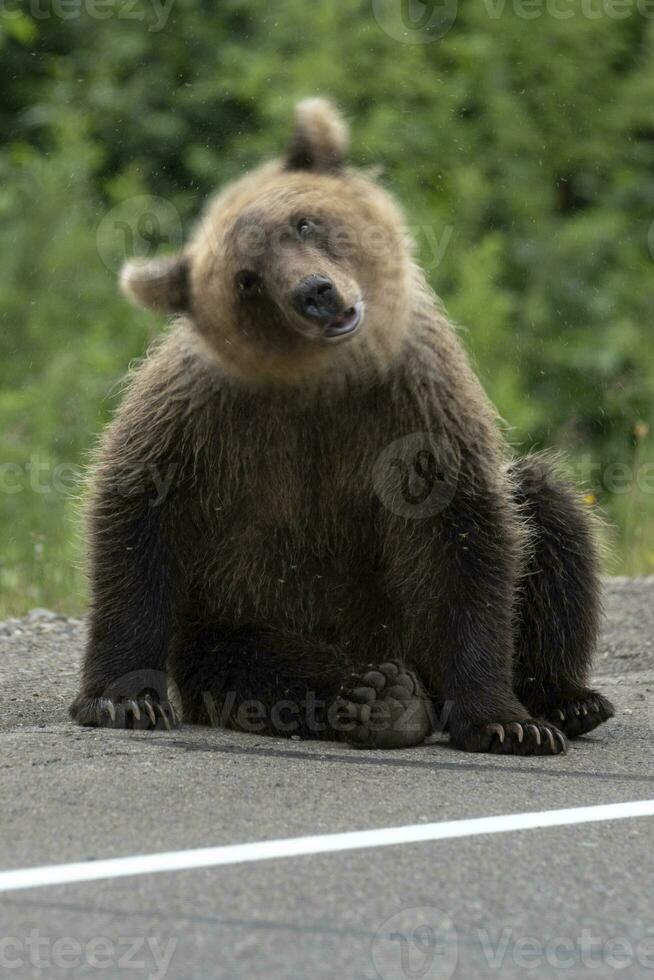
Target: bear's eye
246,280
304,227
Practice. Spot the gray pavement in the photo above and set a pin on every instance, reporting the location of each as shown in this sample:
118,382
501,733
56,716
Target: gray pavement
571,901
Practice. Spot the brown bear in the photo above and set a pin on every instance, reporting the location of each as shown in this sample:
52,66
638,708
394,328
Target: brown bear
304,517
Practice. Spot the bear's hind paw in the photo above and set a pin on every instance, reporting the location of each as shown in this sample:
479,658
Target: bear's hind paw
582,715
384,708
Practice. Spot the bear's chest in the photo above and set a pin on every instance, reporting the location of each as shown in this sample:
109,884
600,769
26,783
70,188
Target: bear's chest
287,531
283,469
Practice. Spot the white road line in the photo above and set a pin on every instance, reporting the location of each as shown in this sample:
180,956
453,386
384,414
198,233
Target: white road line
210,857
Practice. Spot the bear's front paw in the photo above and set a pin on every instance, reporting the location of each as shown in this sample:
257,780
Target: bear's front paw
529,736
385,708
140,713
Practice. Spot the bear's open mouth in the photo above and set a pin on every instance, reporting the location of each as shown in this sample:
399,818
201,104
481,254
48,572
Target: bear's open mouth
343,325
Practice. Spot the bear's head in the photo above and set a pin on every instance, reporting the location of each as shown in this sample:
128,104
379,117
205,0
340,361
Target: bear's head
299,268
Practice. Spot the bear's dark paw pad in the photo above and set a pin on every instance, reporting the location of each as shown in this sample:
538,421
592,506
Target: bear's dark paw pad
384,708
139,714
526,737
582,715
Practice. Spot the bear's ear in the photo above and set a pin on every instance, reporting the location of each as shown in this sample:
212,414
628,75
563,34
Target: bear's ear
159,284
320,139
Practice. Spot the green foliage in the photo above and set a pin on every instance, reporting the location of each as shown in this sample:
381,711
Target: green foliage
523,150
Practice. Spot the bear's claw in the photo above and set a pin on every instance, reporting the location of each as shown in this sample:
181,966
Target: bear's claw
142,713
528,736
582,715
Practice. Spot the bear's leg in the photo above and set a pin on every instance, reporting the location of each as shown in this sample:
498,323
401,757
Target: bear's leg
283,684
124,681
468,641
558,609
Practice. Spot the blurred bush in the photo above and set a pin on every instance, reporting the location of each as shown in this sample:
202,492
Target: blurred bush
521,147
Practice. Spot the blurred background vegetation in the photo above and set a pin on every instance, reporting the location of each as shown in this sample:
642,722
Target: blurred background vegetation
521,146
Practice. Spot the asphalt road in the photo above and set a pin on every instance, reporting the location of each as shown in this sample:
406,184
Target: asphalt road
570,901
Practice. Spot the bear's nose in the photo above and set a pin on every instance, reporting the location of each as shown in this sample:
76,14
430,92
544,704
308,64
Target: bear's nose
315,297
